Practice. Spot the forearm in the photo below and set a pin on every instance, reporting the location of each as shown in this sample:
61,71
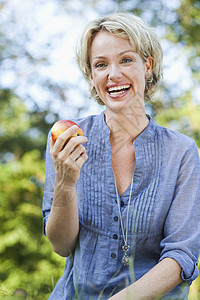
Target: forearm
156,283
63,223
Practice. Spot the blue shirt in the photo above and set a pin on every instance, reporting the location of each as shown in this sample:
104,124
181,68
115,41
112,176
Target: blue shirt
164,215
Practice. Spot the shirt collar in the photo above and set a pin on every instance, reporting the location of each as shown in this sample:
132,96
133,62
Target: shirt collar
147,134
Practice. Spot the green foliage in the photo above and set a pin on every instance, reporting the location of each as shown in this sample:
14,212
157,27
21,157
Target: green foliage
28,266
182,115
186,30
20,130
26,259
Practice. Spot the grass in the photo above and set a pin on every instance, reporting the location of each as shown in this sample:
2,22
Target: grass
33,295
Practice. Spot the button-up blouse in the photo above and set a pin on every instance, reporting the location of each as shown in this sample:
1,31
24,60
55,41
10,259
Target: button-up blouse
164,212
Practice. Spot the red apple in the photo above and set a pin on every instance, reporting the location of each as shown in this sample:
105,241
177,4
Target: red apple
62,125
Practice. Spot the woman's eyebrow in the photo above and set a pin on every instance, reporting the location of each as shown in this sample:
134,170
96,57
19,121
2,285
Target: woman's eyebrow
120,54
98,57
126,51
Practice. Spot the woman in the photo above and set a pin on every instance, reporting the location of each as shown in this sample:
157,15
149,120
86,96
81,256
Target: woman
126,214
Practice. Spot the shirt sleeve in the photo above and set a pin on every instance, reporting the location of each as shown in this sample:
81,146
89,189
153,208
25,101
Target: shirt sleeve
48,186
182,225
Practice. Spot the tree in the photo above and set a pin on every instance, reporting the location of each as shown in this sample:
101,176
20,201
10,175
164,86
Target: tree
21,130
26,260
23,248
185,30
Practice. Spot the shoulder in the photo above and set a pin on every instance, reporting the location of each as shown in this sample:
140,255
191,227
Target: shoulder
179,152
88,120
175,140
88,123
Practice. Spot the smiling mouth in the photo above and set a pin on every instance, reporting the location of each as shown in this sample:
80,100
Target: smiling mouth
117,90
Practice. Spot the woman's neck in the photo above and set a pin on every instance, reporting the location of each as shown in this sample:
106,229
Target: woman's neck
125,125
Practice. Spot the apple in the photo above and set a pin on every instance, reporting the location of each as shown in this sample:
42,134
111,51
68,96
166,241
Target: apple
62,125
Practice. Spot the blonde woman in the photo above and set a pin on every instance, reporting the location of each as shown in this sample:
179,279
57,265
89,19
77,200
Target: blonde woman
126,214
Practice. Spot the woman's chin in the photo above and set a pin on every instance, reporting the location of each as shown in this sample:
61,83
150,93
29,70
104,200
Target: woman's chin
117,105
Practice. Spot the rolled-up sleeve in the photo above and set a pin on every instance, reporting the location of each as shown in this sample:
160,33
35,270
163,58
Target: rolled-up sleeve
182,225
48,186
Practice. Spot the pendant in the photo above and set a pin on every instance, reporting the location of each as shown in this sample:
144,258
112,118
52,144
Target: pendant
125,259
125,247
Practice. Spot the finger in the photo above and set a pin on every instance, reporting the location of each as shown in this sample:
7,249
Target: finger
69,149
64,137
76,160
77,140
80,149
81,159
51,145
51,141
72,144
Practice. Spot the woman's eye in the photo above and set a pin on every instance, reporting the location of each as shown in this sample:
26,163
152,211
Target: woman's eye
100,65
127,60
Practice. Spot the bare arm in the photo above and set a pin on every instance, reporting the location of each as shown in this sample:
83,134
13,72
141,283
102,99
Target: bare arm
156,283
63,224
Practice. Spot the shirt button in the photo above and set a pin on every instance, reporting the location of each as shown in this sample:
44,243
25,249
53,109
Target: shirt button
115,236
122,203
113,255
116,218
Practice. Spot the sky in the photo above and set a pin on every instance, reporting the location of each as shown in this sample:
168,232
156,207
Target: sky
46,29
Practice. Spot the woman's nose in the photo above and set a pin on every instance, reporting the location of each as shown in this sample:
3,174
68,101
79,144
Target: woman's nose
114,73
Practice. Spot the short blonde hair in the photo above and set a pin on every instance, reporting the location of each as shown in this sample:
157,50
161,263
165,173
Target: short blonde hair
140,35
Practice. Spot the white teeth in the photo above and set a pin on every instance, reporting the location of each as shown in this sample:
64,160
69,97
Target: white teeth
118,93
117,88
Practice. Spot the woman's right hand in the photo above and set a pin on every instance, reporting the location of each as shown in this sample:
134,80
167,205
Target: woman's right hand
68,156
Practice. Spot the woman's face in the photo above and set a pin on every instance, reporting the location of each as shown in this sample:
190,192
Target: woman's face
117,71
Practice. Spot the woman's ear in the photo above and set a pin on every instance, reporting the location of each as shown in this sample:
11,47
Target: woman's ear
91,80
148,66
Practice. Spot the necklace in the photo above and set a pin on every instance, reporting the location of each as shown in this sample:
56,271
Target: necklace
125,247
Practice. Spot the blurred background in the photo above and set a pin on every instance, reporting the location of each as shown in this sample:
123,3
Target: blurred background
40,83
